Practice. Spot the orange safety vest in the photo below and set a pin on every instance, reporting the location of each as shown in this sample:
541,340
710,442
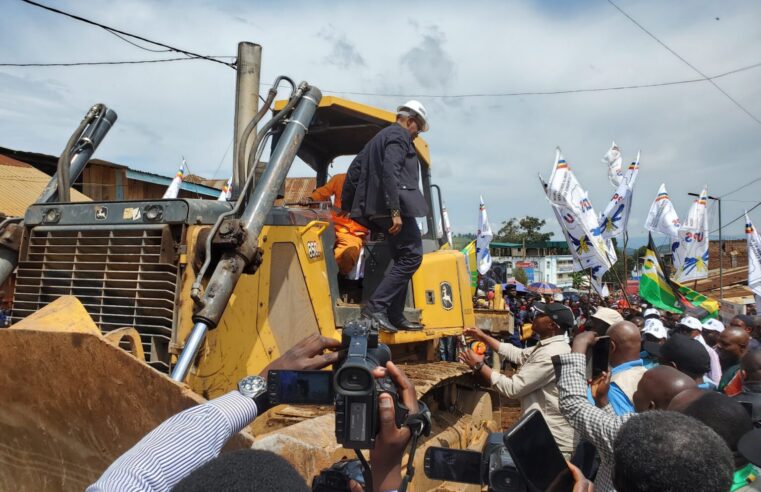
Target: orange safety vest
334,187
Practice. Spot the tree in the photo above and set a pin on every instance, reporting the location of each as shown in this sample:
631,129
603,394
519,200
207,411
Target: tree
518,230
579,280
520,275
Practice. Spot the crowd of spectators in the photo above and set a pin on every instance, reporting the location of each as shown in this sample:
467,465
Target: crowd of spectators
679,407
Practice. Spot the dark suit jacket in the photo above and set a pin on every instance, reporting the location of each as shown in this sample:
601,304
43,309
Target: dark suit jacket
385,175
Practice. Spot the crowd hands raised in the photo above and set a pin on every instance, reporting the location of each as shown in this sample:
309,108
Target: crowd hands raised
637,399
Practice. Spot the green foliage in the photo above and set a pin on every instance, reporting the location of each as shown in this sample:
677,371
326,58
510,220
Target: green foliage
579,280
462,240
520,275
528,229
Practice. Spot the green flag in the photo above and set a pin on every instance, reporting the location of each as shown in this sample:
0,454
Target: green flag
470,260
656,288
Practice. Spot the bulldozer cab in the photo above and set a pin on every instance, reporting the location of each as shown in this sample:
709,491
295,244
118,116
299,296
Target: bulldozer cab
342,128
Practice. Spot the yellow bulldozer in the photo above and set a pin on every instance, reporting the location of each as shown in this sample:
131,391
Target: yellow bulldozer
127,312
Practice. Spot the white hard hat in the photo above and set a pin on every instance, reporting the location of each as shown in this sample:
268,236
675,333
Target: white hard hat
417,108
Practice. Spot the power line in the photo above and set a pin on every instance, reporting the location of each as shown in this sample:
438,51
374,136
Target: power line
133,36
544,93
740,188
693,67
79,64
724,226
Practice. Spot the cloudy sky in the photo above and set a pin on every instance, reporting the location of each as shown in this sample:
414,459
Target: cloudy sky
690,134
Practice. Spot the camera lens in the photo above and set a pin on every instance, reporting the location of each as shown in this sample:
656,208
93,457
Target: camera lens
355,379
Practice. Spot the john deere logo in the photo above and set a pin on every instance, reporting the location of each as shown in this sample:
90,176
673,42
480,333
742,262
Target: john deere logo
446,295
101,213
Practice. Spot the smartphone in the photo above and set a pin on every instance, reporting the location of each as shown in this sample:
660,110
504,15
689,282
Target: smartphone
300,387
453,465
536,455
600,356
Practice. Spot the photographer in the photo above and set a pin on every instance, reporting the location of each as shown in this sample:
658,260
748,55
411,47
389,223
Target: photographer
190,442
534,381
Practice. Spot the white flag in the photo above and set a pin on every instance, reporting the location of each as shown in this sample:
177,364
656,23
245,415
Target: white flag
447,225
691,255
578,216
483,238
614,160
614,218
174,186
662,216
754,257
224,195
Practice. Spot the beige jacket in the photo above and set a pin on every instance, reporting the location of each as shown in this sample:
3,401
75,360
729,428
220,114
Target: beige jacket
534,385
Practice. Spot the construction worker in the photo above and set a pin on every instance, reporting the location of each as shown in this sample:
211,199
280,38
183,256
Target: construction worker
349,234
382,190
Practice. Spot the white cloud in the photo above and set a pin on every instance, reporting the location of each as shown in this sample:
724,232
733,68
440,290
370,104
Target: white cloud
690,135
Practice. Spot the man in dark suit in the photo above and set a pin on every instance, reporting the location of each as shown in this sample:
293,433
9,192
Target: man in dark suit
381,190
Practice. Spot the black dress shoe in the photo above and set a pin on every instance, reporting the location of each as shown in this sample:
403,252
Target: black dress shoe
382,321
407,325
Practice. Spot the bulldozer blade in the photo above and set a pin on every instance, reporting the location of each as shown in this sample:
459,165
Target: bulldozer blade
72,402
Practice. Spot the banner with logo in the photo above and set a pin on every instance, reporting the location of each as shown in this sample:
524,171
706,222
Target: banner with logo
614,160
691,254
754,257
224,195
662,216
483,238
615,217
447,225
174,186
578,217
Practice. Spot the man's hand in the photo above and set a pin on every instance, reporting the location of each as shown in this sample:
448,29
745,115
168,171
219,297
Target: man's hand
309,354
583,341
600,387
476,333
470,358
581,484
386,457
396,225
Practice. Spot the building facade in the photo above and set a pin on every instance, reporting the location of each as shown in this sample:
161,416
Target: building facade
548,261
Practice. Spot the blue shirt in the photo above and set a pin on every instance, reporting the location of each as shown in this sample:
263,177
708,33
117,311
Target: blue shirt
616,397
649,360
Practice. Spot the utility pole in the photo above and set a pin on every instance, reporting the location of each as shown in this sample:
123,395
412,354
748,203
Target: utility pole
249,65
721,247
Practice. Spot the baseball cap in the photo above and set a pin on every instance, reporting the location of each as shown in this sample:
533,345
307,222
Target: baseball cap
691,323
749,446
655,328
651,312
714,325
610,316
686,353
560,314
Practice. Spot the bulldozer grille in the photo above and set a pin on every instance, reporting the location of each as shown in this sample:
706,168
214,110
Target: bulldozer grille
124,277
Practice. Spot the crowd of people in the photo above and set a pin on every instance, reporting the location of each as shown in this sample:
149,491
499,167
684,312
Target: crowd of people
676,409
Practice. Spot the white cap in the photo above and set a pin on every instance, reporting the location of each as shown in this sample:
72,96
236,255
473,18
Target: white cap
417,109
651,312
714,325
558,297
691,323
608,315
655,328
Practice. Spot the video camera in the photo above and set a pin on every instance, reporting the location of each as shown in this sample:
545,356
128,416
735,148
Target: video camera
337,477
525,458
351,386
493,467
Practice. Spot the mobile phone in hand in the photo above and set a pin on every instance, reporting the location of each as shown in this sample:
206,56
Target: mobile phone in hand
600,356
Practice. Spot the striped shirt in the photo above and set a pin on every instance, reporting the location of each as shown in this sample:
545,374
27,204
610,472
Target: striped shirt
178,446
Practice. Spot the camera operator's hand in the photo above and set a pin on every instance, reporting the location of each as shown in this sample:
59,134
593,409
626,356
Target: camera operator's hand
583,341
600,387
313,352
386,457
581,483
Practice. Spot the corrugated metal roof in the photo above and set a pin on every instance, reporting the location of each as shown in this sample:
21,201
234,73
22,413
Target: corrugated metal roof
21,185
